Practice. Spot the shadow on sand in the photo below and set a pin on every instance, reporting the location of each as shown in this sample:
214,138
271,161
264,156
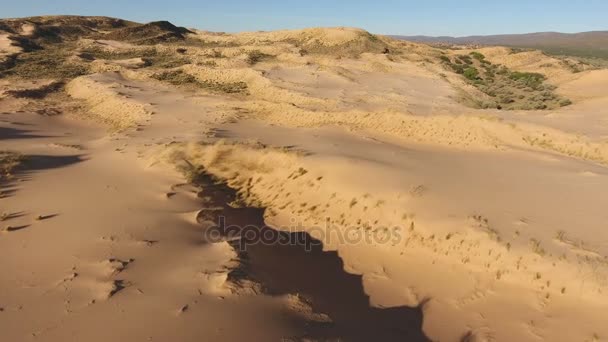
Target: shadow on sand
304,269
7,133
31,164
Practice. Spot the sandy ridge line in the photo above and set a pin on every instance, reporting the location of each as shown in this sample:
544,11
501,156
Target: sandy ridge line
107,104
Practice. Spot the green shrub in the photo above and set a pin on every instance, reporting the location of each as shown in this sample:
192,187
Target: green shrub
477,55
458,68
471,73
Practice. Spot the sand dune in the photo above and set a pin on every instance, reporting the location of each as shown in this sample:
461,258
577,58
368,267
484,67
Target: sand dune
418,217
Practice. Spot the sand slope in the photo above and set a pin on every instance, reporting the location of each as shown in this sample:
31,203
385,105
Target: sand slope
434,221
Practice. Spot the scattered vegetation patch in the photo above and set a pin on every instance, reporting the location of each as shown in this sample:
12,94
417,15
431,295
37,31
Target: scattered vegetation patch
507,89
365,42
151,56
530,79
180,78
52,62
177,77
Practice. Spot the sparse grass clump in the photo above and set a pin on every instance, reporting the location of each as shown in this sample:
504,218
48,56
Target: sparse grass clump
215,54
176,77
180,78
166,61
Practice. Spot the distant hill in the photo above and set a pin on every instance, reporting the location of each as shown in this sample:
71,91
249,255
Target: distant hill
584,44
150,33
29,33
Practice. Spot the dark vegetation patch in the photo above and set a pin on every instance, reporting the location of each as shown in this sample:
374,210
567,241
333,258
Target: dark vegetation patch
37,93
180,78
256,56
24,43
508,89
148,34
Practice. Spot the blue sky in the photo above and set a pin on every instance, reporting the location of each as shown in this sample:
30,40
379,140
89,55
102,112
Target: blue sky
456,18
